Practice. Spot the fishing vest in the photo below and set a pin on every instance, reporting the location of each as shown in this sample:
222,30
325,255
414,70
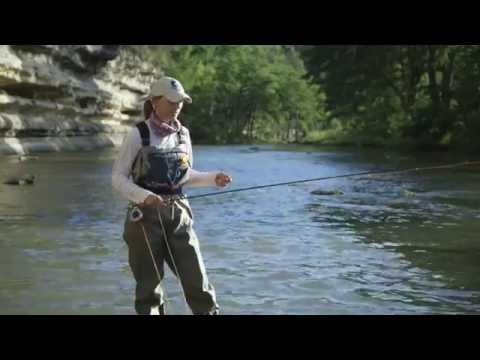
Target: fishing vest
161,170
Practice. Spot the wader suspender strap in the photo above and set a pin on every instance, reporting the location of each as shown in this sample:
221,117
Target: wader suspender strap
144,133
181,137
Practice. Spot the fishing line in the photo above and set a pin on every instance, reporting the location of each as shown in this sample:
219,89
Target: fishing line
366,173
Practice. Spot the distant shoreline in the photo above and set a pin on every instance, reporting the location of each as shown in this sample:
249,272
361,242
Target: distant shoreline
34,145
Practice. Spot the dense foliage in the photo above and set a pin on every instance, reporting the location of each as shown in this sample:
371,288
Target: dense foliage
380,95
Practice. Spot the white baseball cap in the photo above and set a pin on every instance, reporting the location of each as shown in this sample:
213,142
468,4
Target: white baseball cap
169,87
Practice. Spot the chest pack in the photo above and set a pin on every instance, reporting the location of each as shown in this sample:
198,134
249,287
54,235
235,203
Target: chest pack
161,171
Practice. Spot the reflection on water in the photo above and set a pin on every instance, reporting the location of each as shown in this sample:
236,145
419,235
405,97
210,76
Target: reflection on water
398,244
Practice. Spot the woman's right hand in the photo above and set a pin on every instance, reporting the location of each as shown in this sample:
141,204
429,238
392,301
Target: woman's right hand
222,180
153,201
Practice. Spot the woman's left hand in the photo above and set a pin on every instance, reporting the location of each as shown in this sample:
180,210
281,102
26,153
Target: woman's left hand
222,179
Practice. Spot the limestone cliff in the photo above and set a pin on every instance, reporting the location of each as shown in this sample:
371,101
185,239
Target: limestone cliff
69,97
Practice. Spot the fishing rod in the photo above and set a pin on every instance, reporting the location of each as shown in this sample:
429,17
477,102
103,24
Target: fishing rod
366,173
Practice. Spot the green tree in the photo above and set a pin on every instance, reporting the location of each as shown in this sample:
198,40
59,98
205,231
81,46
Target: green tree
245,93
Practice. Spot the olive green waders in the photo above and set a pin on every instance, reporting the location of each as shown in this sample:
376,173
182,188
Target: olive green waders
178,220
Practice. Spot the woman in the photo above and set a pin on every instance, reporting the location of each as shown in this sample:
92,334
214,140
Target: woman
153,164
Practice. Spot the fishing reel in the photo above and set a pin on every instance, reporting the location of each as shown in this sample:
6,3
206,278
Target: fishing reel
136,214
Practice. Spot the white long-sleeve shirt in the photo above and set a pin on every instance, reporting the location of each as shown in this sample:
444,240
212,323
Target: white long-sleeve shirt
132,143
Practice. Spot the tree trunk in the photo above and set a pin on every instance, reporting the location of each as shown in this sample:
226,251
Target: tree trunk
432,77
447,80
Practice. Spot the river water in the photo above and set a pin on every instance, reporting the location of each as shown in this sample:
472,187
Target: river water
396,244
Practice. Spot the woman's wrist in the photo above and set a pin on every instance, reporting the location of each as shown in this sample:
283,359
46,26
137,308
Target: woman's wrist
201,178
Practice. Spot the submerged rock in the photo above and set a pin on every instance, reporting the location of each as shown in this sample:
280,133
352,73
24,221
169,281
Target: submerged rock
326,192
28,179
27,158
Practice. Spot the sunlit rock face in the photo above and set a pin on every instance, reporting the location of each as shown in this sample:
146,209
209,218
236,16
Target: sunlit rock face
69,97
